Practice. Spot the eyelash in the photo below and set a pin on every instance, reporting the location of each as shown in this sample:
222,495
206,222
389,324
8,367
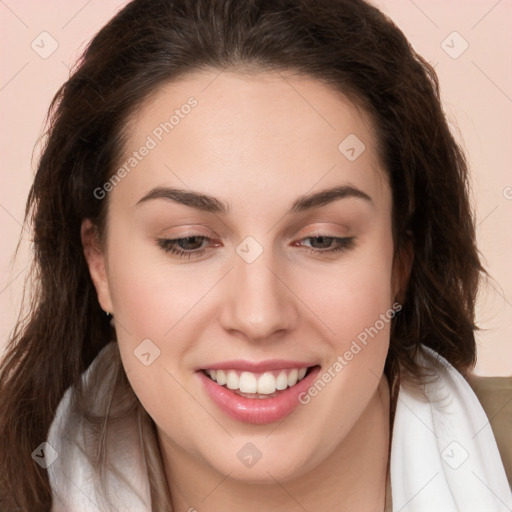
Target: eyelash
169,245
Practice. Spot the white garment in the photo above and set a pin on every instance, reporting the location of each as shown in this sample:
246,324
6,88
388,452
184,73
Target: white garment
444,457
72,478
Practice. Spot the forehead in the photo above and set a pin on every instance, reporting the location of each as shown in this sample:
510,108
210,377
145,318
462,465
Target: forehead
243,135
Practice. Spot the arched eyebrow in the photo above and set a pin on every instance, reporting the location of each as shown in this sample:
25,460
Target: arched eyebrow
211,204
323,197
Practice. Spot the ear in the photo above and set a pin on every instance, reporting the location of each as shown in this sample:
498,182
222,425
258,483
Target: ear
95,257
402,270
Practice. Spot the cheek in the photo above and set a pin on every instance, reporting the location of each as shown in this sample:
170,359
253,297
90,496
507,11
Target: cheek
350,296
150,295
153,333
355,305
146,299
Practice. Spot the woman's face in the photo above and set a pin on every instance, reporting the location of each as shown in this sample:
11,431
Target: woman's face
289,265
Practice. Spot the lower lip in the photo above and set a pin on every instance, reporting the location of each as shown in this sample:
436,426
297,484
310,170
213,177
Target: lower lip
255,410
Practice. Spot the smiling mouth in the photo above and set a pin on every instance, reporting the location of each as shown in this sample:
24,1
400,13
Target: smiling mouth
259,386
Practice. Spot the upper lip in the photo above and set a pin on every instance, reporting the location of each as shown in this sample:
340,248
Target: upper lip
257,366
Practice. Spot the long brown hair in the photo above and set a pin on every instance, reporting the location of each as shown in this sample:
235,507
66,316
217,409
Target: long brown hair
348,44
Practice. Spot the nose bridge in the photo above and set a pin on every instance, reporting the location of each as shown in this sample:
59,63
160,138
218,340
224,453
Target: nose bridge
260,304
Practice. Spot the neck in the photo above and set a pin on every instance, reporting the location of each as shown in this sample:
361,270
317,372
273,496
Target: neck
352,477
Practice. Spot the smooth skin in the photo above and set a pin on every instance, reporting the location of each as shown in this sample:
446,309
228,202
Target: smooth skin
257,141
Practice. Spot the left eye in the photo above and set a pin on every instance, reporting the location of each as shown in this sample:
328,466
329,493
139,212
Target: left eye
192,246
326,241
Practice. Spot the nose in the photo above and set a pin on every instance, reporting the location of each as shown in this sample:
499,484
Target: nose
260,302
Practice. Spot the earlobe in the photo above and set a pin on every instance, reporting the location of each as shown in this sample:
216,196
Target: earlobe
95,258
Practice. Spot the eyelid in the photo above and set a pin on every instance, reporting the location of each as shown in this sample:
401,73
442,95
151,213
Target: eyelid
334,229
188,230
169,245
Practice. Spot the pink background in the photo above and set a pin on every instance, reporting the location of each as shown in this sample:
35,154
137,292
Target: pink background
476,87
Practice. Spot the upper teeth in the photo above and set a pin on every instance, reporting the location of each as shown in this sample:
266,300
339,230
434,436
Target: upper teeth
266,383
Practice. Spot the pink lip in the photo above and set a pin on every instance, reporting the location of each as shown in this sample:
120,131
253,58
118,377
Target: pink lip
257,367
254,410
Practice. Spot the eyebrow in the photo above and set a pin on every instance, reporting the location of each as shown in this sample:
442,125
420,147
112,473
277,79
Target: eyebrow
211,204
